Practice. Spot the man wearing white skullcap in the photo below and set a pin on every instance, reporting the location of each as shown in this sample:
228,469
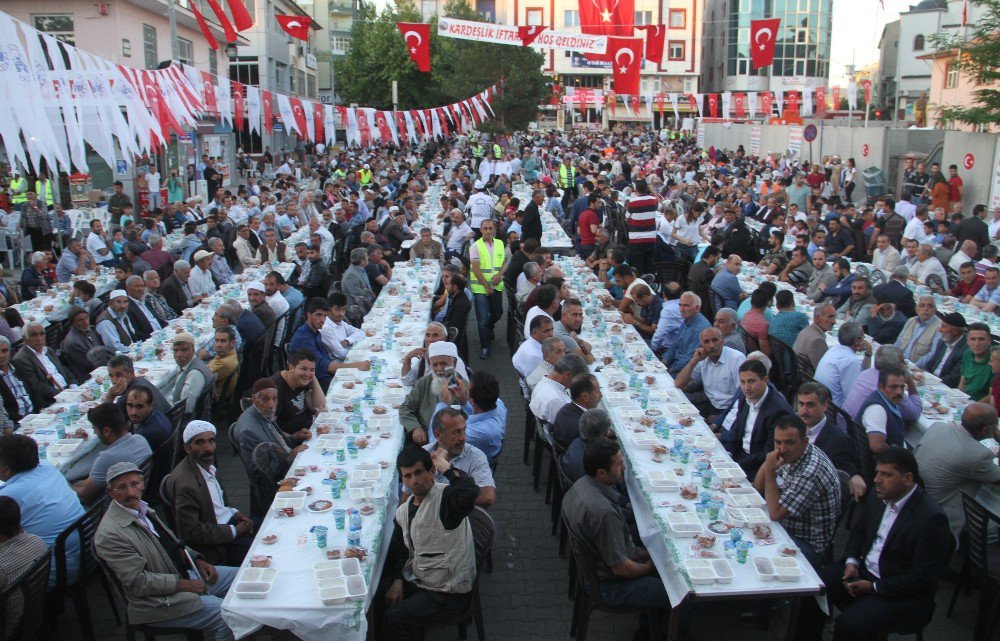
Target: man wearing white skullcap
114,325
259,305
441,384
221,533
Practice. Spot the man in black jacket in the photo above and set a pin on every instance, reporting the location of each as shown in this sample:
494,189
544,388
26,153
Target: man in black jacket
895,554
531,223
458,306
975,229
896,290
738,239
813,401
944,360
747,428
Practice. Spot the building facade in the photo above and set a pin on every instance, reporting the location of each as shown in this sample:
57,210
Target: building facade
801,54
335,19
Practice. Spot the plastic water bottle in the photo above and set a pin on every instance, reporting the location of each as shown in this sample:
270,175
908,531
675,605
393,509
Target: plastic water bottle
354,530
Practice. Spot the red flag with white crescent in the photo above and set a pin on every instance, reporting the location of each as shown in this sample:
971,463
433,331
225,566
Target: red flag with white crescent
635,104
528,34
836,97
695,107
739,99
765,104
820,101
299,114
295,26
713,105
444,121
626,58
612,102
241,17
792,101
655,35
238,94
227,26
867,84
208,93
763,35
267,101
660,103
401,125
318,117
364,128
205,31
383,127
417,36
417,124
607,17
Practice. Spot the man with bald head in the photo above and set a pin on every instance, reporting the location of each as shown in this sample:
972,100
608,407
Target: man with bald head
680,351
952,460
811,343
711,378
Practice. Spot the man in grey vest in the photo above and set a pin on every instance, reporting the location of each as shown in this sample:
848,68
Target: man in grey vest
433,518
193,377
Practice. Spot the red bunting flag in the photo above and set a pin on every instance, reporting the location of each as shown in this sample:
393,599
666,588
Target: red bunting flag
695,107
417,36
383,128
227,26
205,31
867,84
318,120
241,17
763,34
238,91
416,124
364,128
660,103
739,99
626,58
299,114
528,34
295,26
607,17
401,127
635,104
655,35
792,101
820,101
765,104
612,102
713,105
208,92
836,98
444,121
267,101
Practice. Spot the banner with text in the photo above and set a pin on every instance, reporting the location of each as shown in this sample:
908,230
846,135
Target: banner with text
507,35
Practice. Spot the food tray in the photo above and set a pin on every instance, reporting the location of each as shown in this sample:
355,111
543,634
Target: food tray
764,568
684,523
786,569
254,583
743,497
644,441
293,498
333,591
337,568
748,516
660,481
617,400
330,443
631,414
367,471
356,588
708,571
64,447
730,471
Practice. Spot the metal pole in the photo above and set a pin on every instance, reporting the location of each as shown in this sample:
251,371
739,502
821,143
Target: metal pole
395,96
172,12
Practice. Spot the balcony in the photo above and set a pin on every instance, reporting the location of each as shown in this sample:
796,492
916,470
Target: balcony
341,8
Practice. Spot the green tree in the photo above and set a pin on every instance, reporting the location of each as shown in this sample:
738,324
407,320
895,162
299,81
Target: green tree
980,59
459,68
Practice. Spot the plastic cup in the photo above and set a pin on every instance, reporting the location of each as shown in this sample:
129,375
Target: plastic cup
743,551
706,479
339,518
729,549
713,506
685,455
335,489
341,455
735,535
320,532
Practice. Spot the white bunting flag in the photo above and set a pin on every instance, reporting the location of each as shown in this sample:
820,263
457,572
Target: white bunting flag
752,104
253,108
328,127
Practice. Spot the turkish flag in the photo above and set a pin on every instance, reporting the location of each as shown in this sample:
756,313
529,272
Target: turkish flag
739,100
660,103
208,93
695,107
383,128
227,26
416,123
444,121
607,17
635,104
820,100
713,105
528,34
763,34
867,84
417,36
299,114
267,100
295,26
241,17
765,104
364,128
626,58
612,102
318,118
655,34
792,101
205,31
238,93
401,126
836,98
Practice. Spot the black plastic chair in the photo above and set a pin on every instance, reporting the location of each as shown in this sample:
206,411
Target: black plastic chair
167,493
270,463
672,270
979,568
83,529
162,463
149,632
31,588
786,363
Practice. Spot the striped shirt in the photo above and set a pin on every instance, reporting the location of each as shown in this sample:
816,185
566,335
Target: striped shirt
642,219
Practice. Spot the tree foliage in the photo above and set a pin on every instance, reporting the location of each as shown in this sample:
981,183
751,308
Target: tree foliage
980,60
377,55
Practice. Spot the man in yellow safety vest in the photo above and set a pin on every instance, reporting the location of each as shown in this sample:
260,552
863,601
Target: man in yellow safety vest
497,152
567,181
18,192
44,189
488,260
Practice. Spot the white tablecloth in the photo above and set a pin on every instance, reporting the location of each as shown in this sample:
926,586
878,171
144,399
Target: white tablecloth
396,325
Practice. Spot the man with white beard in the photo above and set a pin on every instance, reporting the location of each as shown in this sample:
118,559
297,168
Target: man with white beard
417,409
415,363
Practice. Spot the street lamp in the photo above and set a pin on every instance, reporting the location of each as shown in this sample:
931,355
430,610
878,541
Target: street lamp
231,52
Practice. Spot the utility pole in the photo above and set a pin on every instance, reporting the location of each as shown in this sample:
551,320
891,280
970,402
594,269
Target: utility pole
172,12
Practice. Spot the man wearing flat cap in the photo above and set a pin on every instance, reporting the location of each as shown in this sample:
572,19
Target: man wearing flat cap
201,282
193,376
165,584
417,409
221,533
257,425
80,339
944,359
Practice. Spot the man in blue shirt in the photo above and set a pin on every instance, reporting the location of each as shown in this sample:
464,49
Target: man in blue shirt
670,318
487,415
839,367
48,503
308,338
145,420
680,351
840,291
726,286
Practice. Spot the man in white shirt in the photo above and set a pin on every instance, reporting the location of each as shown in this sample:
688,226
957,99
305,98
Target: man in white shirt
153,184
529,353
905,208
479,206
552,392
200,281
97,245
964,255
339,336
326,245
927,264
717,369
459,233
546,304
113,324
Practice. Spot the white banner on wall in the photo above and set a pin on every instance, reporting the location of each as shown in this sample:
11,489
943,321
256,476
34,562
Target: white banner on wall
795,140
755,133
507,35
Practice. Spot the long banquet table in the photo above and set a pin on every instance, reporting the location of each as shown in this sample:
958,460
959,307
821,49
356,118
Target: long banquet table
664,456
360,405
